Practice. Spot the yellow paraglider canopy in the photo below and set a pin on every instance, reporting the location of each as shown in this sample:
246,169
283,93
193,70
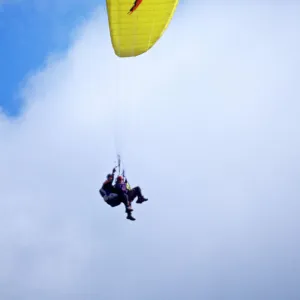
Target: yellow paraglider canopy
136,25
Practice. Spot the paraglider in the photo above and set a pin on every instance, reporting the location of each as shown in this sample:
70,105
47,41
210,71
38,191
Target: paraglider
136,25
121,192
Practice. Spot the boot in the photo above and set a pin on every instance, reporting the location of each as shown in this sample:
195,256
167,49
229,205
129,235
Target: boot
141,199
130,217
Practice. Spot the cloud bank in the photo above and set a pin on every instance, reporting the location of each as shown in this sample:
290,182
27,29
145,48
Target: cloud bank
208,125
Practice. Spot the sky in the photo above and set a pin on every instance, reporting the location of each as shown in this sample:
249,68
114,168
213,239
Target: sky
29,31
207,123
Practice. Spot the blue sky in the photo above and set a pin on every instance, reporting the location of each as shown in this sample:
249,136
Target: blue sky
208,127
29,32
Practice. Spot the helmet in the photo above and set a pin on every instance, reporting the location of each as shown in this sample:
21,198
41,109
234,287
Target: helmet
109,176
119,178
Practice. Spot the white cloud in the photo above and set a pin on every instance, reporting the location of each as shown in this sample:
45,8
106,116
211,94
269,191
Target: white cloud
208,125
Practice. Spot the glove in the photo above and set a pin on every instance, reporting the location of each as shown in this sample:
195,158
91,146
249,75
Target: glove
114,170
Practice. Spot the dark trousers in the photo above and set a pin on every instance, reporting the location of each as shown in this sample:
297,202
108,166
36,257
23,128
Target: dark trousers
135,192
123,198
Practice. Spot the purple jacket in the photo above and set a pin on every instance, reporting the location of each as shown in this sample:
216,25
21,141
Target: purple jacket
121,186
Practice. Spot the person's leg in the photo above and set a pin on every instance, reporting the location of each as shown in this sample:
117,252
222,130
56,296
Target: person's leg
112,200
136,192
132,194
124,199
128,207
